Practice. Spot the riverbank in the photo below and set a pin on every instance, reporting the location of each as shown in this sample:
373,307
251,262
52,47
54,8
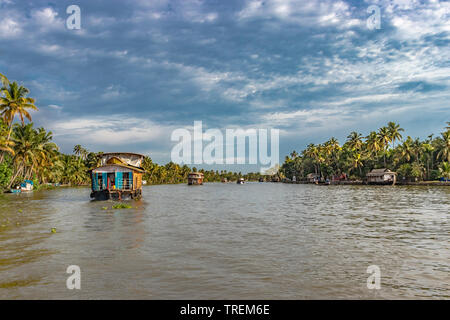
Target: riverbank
398,183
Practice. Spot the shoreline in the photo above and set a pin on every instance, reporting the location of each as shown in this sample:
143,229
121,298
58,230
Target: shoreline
342,183
354,183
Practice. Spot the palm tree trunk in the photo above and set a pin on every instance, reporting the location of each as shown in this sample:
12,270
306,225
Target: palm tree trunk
7,139
15,176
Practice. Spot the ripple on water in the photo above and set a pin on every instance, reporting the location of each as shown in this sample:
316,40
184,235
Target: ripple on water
222,241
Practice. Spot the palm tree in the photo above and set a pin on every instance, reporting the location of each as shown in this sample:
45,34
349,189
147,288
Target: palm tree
25,149
33,151
444,170
417,149
5,145
356,162
373,145
405,150
394,132
444,151
385,138
4,80
14,101
354,141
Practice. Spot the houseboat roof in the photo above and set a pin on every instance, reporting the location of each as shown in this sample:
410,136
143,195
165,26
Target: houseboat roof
380,172
196,174
129,153
123,166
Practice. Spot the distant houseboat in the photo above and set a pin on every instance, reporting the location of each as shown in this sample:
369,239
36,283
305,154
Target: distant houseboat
382,176
195,178
224,180
240,181
118,177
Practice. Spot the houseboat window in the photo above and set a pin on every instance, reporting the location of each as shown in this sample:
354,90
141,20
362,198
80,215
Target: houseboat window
126,180
111,180
100,181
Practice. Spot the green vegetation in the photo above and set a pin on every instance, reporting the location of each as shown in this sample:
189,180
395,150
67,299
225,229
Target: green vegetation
122,206
174,173
29,153
412,159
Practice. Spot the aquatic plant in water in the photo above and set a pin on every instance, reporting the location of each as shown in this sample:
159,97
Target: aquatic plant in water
122,206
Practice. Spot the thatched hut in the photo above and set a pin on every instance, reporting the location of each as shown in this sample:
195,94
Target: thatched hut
382,176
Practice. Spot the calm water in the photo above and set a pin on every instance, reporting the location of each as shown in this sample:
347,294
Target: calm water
224,241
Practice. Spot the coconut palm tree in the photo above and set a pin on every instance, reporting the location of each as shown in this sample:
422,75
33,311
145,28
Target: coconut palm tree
356,162
373,145
444,152
354,141
14,102
385,138
404,151
444,170
4,80
394,132
5,145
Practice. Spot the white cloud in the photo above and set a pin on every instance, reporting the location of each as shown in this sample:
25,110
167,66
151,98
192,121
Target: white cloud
305,13
9,28
55,107
110,130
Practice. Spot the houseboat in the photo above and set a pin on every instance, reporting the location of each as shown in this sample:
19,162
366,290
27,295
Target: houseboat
240,181
382,176
119,177
195,178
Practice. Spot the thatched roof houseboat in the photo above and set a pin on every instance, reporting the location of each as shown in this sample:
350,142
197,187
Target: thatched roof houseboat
118,177
382,176
195,178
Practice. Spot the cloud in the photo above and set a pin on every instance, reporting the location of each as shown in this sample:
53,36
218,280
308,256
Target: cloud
311,68
55,107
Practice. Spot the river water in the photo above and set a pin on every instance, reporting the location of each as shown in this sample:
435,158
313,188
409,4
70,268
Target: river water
228,241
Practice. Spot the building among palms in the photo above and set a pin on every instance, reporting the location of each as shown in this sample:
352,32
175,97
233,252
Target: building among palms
382,176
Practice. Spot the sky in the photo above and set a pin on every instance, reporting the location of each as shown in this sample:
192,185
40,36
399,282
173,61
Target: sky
138,70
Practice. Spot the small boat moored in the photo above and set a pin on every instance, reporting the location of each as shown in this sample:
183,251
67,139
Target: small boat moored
26,186
16,190
240,181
